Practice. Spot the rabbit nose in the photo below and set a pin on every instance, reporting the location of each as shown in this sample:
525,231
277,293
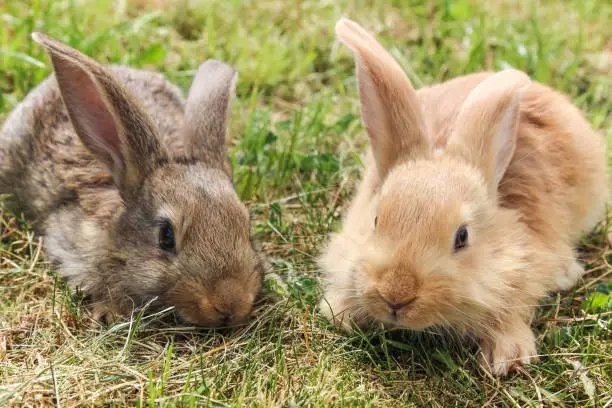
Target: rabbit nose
226,316
397,306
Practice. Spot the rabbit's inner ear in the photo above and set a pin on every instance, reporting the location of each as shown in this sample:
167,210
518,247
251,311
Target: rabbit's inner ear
108,120
207,111
487,124
390,108
90,115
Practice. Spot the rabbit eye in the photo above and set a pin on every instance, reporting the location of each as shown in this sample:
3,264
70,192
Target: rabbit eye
166,236
375,221
461,238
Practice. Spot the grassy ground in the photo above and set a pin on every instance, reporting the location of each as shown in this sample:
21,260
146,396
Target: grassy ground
297,143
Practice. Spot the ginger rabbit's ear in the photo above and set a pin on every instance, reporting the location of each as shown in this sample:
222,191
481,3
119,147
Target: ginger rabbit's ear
487,124
107,118
390,109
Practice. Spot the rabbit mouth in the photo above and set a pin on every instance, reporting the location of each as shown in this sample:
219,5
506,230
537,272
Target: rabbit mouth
225,323
221,322
395,310
408,313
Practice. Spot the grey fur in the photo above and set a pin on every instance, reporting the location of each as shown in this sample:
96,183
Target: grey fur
100,213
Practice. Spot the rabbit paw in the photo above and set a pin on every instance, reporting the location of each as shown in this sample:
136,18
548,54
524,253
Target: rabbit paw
507,350
103,314
567,277
337,312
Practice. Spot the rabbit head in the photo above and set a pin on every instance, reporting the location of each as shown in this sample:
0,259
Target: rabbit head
436,228
181,232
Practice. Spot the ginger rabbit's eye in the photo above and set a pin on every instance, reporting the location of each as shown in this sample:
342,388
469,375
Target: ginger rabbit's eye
166,236
375,221
461,238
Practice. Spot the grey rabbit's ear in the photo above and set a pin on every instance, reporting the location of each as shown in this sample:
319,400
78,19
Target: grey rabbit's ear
207,111
108,120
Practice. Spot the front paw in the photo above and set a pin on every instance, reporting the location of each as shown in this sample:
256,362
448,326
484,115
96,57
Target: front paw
335,312
343,313
104,314
568,275
507,350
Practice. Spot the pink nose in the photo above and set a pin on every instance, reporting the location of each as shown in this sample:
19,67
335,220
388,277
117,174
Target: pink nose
397,306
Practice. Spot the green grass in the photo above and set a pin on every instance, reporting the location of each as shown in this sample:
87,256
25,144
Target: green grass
297,140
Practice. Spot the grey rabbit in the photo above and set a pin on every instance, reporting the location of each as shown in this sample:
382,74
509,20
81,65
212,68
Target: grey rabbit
132,188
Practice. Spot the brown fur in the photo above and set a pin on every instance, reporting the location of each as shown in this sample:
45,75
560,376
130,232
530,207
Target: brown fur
512,160
96,157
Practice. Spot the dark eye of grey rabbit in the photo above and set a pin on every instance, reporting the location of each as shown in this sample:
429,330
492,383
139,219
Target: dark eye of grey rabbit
166,236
